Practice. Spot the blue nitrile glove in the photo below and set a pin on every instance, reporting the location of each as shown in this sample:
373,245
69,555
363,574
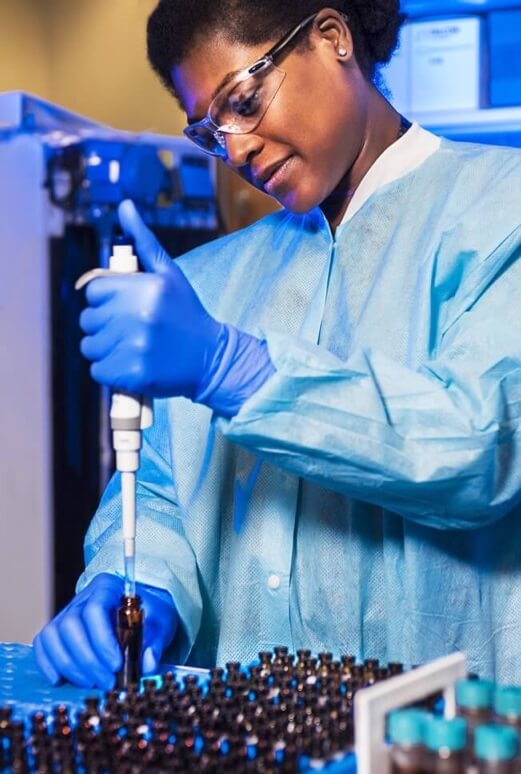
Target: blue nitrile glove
80,643
149,334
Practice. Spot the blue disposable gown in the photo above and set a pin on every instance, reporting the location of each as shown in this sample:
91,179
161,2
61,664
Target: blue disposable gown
366,499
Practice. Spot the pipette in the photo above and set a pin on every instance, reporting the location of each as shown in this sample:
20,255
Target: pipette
129,415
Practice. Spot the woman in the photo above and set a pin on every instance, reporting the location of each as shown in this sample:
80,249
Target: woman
339,467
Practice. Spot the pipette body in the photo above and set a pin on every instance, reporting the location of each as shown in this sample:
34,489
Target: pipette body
129,415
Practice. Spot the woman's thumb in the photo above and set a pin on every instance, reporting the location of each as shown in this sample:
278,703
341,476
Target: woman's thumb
150,253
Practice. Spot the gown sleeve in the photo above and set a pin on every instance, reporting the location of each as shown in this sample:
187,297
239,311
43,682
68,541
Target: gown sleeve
439,444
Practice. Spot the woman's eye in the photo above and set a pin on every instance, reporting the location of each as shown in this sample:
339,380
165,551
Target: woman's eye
245,104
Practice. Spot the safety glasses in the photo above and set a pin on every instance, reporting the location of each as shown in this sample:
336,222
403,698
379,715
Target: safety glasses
240,106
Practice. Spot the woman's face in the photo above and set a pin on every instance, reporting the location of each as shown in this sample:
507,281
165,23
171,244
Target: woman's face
312,133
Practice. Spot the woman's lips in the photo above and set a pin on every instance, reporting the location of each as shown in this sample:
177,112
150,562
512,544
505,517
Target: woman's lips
278,177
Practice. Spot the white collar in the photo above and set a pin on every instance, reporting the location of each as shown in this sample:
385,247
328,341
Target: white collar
404,155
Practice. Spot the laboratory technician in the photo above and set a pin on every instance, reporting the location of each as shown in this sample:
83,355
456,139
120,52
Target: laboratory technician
336,455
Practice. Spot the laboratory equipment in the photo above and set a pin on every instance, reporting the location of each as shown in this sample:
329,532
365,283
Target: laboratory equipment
130,636
129,416
446,741
438,66
440,49
456,71
496,749
405,729
474,702
284,712
507,706
62,176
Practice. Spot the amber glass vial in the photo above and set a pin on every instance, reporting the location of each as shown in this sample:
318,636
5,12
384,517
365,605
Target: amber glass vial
130,636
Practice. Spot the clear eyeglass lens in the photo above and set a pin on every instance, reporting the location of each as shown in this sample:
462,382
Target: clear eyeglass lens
241,108
238,110
202,136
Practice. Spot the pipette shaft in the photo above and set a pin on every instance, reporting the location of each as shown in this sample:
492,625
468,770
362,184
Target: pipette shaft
128,510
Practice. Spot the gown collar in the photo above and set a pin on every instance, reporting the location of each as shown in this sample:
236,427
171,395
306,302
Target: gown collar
400,158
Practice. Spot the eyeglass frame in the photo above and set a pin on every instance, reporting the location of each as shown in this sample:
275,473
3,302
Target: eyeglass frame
268,58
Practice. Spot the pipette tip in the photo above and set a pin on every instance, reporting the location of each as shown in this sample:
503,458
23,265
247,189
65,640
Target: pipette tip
130,576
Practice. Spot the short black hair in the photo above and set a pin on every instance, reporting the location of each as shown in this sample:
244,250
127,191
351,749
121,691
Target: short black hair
175,25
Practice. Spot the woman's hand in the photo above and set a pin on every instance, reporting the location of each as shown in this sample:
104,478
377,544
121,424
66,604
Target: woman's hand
80,643
148,333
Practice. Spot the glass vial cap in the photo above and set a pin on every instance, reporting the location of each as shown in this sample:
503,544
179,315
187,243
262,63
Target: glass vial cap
495,743
449,735
406,726
507,701
474,694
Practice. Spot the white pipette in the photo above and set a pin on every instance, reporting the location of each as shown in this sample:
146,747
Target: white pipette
129,415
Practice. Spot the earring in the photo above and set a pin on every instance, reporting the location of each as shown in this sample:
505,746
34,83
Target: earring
342,51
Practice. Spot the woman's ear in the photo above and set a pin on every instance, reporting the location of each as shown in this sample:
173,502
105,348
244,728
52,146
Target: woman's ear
332,28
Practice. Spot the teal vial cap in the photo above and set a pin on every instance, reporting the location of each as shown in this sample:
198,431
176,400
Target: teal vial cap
406,726
507,701
495,743
446,734
474,694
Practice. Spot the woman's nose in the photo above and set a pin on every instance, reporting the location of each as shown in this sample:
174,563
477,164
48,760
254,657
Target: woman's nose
241,148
